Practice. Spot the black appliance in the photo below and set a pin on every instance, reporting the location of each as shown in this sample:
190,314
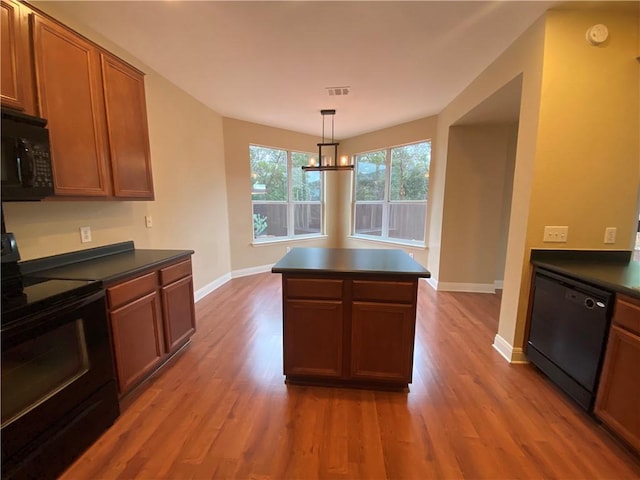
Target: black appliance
26,163
58,379
568,332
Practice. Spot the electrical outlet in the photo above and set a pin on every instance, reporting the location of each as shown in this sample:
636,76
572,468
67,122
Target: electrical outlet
555,234
148,221
610,235
85,234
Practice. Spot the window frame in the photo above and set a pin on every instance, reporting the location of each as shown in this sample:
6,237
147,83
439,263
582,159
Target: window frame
290,203
386,202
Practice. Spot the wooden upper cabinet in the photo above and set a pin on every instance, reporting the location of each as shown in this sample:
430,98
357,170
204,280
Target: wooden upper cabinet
126,115
94,103
16,68
70,97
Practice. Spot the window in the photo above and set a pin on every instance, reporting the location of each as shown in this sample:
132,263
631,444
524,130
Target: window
287,202
390,192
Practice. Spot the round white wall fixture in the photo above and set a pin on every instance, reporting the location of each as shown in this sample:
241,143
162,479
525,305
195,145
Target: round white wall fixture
597,34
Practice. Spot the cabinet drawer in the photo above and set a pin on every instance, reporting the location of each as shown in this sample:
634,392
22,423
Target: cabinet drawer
175,272
314,288
627,313
128,291
373,291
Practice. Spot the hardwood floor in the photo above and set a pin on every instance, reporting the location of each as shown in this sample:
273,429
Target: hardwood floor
222,409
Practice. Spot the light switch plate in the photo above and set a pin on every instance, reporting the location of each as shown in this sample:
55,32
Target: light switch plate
610,235
148,221
85,234
556,234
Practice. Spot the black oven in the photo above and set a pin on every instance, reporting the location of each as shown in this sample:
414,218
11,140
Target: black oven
58,380
26,164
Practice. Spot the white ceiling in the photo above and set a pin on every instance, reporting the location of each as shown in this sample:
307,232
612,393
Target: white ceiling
270,62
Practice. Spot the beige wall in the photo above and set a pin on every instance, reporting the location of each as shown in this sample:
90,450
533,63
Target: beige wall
238,135
189,211
410,132
477,198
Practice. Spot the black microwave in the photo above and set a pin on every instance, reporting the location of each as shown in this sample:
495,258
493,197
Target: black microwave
26,157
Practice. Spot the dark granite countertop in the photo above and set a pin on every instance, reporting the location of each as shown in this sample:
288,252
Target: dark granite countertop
108,264
614,271
349,260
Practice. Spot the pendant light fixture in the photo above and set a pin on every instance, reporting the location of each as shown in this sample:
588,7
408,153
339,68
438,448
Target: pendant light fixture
328,152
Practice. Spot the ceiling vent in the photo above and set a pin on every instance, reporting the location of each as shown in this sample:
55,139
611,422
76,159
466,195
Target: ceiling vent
338,91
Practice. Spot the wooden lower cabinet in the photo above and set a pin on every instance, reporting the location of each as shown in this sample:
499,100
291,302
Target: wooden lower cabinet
352,332
618,398
382,338
178,313
137,338
152,316
313,336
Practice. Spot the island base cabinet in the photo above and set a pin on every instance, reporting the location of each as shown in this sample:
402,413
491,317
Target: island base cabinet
137,338
382,342
313,336
349,331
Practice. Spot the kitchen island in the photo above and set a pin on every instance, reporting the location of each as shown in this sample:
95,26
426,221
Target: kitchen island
349,316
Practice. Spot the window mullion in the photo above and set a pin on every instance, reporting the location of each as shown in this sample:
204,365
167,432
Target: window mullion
387,195
290,205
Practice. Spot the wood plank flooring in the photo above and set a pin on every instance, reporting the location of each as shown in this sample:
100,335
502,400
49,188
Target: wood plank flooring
222,409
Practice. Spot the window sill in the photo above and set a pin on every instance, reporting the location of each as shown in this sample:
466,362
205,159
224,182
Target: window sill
388,241
258,243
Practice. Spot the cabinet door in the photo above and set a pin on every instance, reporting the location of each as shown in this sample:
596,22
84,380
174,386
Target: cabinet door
70,97
178,313
17,87
312,338
618,400
382,342
126,114
137,339
11,88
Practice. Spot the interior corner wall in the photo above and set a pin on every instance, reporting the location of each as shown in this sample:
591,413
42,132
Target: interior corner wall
238,136
523,57
476,194
512,143
190,207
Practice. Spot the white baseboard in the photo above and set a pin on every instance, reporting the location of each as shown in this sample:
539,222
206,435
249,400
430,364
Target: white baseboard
498,284
510,354
251,270
466,287
433,283
218,282
210,287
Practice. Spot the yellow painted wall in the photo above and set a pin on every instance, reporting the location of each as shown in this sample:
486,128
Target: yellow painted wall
587,164
190,207
586,170
577,151
238,135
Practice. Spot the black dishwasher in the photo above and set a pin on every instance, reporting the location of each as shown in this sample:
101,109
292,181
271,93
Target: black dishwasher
568,331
